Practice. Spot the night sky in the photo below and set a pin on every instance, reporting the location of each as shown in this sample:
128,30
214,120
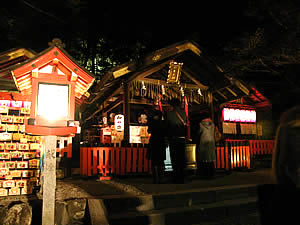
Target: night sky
32,23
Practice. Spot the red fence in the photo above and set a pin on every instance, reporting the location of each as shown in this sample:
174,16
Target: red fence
124,160
113,160
261,147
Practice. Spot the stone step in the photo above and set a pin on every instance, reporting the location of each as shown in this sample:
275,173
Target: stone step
195,214
178,199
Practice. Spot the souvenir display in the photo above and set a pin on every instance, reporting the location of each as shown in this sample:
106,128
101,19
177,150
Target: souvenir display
19,165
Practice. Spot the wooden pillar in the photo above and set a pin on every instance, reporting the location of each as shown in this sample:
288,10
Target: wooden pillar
212,106
49,183
126,112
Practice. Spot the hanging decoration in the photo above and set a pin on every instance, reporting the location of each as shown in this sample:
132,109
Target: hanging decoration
182,91
159,102
149,90
163,91
174,72
199,92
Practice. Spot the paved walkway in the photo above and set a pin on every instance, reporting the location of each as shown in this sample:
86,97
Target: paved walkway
142,185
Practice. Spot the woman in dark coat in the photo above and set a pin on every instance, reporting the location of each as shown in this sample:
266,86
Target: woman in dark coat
157,146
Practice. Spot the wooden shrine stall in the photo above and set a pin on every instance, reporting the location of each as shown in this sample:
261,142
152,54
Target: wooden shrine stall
22,71
116,112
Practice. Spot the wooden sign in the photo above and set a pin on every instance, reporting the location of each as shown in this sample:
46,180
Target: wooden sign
3,192
34,163
4,171
14,191
25,110
5,136
15,173
3,109
4,155
6,119
11,146
174,72
18,119
8,183
26,190
10,165
35,146
23,146
16,155
12,127
21,183
2,127
22,165
28,155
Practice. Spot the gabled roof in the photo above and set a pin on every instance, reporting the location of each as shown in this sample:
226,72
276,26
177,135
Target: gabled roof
44,62
198,71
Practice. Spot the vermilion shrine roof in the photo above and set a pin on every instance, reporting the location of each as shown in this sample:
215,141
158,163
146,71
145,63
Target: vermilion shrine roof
18,66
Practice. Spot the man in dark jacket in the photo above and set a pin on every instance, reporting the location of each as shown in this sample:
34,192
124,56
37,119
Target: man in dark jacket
157,146
176,125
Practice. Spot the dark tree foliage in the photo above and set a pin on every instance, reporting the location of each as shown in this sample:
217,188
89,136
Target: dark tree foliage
241,36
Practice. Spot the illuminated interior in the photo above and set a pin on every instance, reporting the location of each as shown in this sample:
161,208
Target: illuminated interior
53,101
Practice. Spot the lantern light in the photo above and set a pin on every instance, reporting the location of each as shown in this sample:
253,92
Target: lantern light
53,101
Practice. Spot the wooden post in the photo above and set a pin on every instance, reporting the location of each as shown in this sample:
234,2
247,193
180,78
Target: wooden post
49,184
126,112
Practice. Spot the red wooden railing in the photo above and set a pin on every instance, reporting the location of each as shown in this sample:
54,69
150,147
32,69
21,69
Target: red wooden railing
261,147
125,160
222,159
113,160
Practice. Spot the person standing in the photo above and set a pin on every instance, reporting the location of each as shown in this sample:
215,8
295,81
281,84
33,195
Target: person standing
277,203
206,152
176,125
157,146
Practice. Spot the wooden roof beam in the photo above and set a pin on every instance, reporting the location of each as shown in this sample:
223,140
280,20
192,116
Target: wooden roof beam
189,75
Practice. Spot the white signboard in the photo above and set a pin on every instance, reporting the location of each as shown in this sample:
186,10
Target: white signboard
119,122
